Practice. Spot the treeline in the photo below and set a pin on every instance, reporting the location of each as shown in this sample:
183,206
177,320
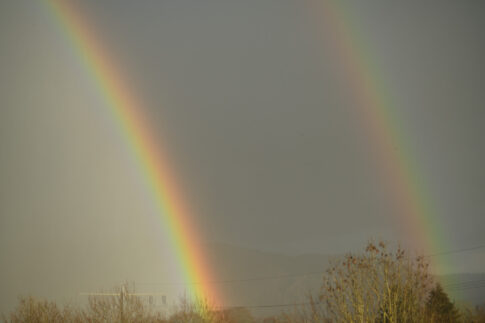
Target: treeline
382,286
125,309
378,285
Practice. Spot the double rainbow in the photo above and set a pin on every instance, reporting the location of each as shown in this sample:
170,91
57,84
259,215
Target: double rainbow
369,95
127,110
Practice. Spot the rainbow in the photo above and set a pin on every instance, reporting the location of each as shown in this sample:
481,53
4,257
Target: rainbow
127,109
388,142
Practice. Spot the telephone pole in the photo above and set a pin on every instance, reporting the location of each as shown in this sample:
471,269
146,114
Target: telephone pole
122,294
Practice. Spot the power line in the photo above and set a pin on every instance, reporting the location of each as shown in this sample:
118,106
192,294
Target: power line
452,285
239,280
458,287
295,275
267,306
456,251
471,284
468,287
278,305
479,283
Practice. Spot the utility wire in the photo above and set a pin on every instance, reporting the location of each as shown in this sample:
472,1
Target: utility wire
468,285
481,283
456,251
240,280
467,288
295,275
471,284
455,288
266,306
452,285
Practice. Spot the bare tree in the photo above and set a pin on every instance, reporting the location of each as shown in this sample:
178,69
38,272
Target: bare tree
30,309
378,285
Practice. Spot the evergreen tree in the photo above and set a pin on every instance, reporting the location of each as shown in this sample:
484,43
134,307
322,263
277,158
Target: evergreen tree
439,308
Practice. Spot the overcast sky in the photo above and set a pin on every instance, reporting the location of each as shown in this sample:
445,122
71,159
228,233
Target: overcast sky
255,112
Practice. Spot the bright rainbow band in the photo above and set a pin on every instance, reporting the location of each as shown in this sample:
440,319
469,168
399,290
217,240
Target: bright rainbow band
127,110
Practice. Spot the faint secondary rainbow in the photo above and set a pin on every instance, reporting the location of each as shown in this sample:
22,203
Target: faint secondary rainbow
377,110
127,110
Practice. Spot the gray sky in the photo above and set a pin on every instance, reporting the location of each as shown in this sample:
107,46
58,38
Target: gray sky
256,113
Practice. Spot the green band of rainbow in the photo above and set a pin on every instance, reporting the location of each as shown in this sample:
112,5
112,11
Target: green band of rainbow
127,111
